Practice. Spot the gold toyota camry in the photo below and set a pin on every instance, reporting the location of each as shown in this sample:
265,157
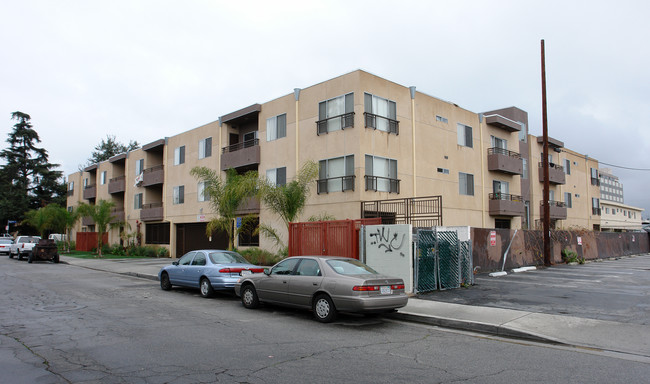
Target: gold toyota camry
325,284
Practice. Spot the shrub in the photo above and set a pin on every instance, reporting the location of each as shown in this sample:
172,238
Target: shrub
570,256
117,250
260,256
162,252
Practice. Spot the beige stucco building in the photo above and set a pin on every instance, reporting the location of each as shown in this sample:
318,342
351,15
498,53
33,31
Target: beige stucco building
374,140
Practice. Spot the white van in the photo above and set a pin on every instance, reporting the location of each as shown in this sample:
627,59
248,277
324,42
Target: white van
57,237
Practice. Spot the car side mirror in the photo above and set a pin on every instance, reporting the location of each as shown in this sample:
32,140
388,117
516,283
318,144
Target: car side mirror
267,271
175,263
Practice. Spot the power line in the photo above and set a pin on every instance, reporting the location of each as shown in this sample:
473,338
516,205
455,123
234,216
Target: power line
620,166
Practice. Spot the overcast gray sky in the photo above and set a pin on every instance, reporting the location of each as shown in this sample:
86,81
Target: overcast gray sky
143,70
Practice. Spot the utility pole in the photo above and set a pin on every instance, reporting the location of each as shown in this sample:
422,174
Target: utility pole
545,204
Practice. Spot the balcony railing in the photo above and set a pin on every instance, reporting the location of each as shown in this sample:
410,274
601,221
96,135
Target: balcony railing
90,191
240,146
556,173
552,166
595,211
153,176
336,184
151,212
505,204
506,196
373,183
557,209
371,122
502,151
117,184
343,121
595,181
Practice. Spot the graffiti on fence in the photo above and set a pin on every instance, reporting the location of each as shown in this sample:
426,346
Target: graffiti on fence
389,241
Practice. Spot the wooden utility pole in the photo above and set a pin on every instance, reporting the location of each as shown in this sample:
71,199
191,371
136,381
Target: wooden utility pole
545,204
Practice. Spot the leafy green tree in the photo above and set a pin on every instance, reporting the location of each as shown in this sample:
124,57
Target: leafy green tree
108,148
38,219
102,215
287,201
29,180
62,221
226,196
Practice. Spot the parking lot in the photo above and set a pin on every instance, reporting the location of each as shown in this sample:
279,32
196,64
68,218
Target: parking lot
614,290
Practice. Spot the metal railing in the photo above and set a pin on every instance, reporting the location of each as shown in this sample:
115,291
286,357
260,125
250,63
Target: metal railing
552,165
347,184
114,179
154,169
89,186
553,203
372,181
595,181
152,205
595,211
240,146
502,151
371,122
347,121
505,196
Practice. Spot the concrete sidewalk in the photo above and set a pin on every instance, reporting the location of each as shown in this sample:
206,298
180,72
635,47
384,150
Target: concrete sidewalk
630,339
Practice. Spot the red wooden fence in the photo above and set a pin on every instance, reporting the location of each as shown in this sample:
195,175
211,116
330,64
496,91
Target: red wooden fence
86,241
331,238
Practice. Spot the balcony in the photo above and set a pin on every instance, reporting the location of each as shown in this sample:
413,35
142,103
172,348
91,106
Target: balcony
250,206
87,221
503,123
503,160
117,215
335,123
239,155
556,173
151,212
335,184
557,210
90,191
382,123
153,176
382,184
117,184
505,204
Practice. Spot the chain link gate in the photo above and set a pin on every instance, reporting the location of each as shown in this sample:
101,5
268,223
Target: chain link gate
443,261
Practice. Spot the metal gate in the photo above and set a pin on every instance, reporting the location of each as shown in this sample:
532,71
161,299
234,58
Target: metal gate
443,261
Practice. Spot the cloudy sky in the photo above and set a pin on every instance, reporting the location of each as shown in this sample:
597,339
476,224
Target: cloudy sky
143,70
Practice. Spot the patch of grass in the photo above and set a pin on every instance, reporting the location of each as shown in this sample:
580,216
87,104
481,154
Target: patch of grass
93,255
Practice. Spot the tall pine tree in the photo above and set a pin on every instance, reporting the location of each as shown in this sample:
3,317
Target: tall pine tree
28,179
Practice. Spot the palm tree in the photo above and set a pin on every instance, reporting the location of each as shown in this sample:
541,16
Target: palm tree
287,201
101,213
38,219
226,196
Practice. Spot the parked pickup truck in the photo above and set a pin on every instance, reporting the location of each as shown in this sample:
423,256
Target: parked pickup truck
23,246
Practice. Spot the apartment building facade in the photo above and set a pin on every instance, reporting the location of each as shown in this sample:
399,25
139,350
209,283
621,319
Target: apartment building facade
374,140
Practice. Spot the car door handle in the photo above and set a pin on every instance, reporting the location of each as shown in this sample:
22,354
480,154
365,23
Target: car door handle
314,284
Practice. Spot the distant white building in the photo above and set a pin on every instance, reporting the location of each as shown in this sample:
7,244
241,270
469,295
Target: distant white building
611,189
615,215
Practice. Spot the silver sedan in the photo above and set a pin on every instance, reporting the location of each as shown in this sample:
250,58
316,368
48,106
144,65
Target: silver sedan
326,285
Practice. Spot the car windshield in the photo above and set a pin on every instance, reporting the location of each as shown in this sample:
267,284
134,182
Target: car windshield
350,267
227,258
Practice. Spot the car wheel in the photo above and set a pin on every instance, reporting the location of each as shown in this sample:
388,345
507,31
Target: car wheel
20,256
30,257
165,284
324,310
56,258
249,297
11,255
206,287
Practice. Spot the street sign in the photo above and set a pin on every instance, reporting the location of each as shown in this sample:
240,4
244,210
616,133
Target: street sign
579,240
493,238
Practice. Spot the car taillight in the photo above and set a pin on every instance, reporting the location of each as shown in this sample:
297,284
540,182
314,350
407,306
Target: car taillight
224,270
365,288
238,270
397,286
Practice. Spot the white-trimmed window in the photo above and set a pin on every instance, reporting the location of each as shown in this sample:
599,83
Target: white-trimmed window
567,199
139,166
498,142
277,176
86,182
179,155
102,178
335,114
202,193
441,119
465,135
71,186
336,174
276,127
380,113
205,148
567,166
179,194
137,201
524,165
500,188
466,184
381,174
